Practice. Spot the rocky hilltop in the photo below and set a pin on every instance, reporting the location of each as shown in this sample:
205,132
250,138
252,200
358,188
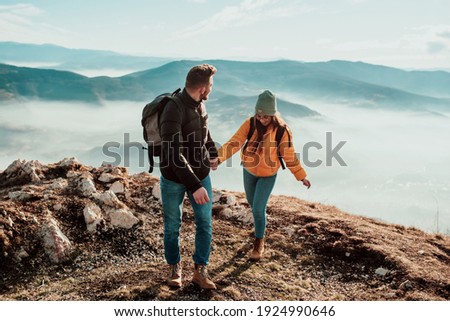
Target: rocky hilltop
74,232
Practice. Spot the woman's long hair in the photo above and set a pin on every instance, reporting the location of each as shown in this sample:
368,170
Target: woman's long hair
277,121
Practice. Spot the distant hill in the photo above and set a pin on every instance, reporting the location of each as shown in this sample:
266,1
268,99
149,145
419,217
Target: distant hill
234,78
18,82
243,106
431,83
70,59
61,85
244,78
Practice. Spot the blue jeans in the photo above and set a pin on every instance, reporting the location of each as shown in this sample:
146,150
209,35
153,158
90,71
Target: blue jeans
172,195
257,190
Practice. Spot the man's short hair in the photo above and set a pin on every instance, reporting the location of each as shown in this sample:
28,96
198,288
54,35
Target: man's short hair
199,76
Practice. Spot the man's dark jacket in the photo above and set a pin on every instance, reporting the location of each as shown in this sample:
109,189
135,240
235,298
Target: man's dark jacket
186,142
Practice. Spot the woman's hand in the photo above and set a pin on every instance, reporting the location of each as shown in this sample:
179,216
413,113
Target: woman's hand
306,182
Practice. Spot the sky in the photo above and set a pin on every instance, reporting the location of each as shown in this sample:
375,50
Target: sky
401,33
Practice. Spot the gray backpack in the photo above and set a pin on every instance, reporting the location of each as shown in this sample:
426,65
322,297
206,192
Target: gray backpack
150,124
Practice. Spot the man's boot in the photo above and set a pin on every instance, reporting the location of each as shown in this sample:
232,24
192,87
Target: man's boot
202,279
174,278
258,250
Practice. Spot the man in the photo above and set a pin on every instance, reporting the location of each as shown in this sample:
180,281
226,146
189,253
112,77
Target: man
187,149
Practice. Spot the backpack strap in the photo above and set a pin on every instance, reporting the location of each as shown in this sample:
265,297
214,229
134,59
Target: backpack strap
279,135
250,132
173,97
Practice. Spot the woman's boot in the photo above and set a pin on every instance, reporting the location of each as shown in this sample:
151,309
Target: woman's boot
258,250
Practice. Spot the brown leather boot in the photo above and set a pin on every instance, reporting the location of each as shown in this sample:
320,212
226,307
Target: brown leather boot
174,278
202,279
258,250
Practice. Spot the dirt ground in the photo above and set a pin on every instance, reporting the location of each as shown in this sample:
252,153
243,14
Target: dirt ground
314,252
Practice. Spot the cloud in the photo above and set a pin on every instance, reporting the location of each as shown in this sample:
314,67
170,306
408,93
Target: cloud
432,38
445,34
21,10
355,2
21,23
421,39
435,47
17,15
247,12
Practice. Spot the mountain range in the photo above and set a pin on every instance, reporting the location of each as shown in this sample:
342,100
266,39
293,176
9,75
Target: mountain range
71,59
350,83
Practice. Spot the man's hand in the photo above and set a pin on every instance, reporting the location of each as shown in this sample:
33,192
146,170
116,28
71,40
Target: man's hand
214,163
201,196
306,182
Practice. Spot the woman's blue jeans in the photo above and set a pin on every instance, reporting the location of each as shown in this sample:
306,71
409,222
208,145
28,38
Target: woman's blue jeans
257,190
172,195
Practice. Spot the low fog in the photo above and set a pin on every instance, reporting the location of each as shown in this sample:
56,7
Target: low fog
397,162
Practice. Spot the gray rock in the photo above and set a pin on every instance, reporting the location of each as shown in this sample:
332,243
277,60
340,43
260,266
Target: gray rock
86,185
72,174
20,195
156,191
406,286
19,168
123,218
22,254
14,167
92,217
216,196
228,213
119,171
56,245
289,231
106,177
243,215
110,199
231,200
381,271
69,162
59,183
117,187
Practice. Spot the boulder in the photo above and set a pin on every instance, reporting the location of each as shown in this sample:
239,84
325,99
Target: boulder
59,183
92,216
20,168
117,187
56,245
69,162
216,196
122,218
156,191
110,199
21,195
107,177
230,200
86,185
381,271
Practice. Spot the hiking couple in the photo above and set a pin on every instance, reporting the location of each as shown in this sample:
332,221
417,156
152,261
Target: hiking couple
188,154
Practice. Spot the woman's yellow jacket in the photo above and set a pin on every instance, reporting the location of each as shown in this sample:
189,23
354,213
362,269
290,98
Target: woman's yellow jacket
264,161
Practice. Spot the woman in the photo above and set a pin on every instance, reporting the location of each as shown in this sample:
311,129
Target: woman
261,160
